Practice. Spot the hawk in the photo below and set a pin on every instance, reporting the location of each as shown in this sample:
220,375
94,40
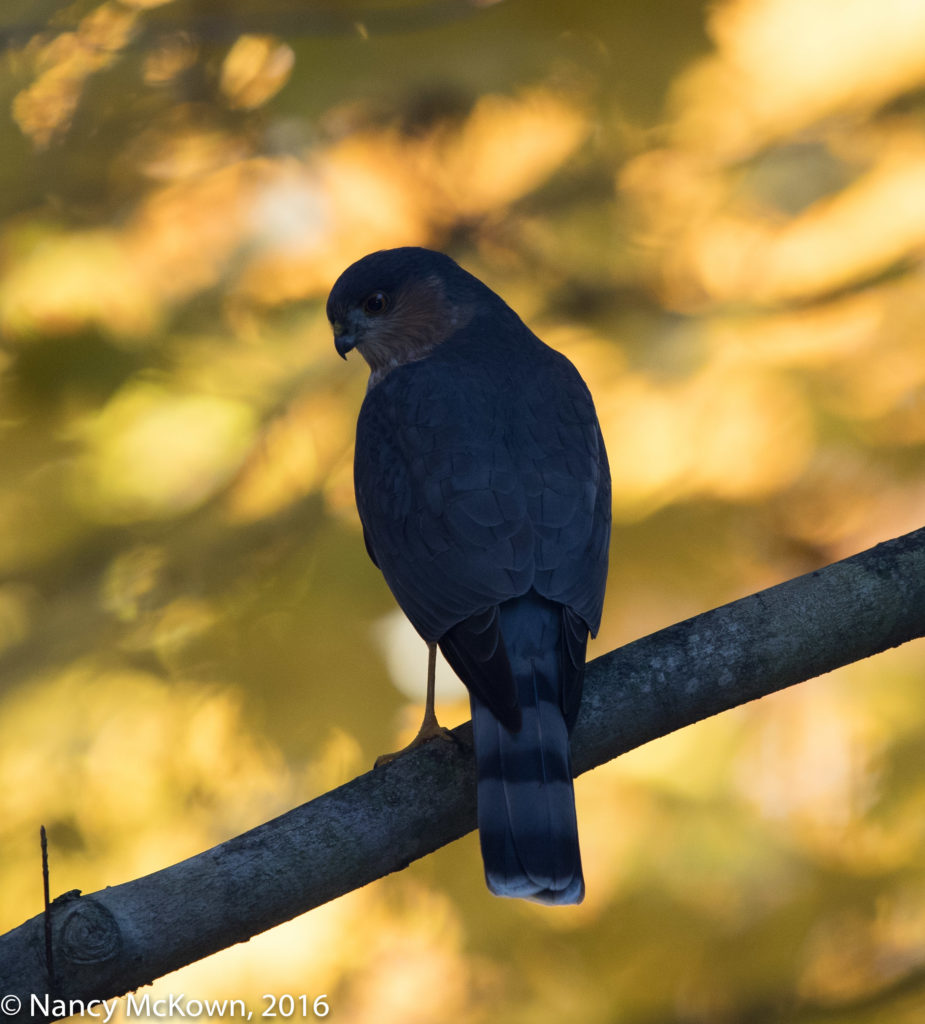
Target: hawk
483,488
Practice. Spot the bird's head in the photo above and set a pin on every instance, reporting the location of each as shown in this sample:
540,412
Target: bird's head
396,306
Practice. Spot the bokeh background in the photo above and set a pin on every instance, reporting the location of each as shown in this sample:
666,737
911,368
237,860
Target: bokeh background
717,210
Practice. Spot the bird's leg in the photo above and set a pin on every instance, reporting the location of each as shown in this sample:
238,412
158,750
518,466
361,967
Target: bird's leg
430,729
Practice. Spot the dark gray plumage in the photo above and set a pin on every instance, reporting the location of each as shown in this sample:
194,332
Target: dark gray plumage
484,492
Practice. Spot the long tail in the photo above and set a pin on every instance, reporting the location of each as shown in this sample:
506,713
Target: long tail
526,803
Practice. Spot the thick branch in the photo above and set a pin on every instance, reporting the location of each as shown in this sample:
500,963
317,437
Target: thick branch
123,937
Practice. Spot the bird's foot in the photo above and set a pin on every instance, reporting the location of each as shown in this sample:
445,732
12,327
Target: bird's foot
430,730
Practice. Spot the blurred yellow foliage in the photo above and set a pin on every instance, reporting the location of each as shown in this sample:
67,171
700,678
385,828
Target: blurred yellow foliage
734,429
112,756
295,456
44,109
174,55
61,283
308,219
254,70
17,608
854,955
183,146
154,453
505,149
132,576
838,241
411,968
781,65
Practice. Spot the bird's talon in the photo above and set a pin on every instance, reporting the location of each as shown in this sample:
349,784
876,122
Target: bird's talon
427,733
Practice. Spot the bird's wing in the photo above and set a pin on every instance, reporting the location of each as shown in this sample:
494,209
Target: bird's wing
443,510
567,483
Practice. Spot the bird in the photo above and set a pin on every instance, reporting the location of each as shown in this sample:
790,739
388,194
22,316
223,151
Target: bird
483,489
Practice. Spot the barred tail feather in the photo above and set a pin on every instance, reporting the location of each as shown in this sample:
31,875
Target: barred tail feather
526,803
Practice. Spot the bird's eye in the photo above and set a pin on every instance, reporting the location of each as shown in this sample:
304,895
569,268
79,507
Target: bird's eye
375,304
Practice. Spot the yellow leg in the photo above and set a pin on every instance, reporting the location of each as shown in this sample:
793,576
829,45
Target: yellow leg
430,729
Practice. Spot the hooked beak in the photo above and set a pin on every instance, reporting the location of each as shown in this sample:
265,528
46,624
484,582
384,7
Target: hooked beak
344,340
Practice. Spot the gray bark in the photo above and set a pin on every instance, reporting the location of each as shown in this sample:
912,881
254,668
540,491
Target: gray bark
115,940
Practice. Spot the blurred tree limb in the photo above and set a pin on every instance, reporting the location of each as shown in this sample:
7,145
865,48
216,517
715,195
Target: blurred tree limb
123,937
224,22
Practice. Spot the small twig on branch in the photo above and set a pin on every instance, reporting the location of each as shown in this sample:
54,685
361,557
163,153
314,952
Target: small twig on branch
116,940
46,921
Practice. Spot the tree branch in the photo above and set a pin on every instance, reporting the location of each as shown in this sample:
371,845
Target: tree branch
120,938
